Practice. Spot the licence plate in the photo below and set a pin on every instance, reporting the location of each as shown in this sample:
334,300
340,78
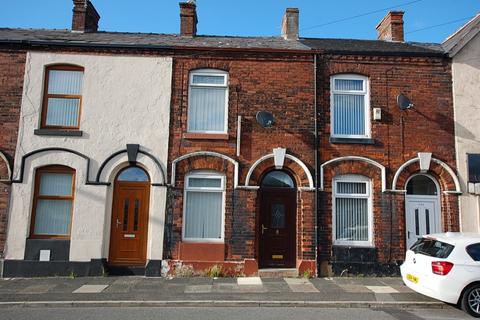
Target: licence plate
412,278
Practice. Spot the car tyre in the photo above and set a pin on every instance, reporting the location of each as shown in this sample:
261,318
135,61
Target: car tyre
470,302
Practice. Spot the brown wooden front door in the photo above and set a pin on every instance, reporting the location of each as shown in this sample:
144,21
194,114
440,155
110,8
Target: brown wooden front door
277,228
128,238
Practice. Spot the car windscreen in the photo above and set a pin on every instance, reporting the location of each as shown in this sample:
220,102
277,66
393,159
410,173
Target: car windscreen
432,248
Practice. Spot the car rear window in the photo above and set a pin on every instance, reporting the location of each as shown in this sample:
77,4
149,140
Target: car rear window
473,251
432,248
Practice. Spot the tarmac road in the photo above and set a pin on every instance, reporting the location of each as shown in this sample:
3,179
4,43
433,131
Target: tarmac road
230,313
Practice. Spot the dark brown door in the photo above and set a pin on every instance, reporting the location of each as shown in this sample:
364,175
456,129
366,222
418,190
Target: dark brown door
128,239
277,227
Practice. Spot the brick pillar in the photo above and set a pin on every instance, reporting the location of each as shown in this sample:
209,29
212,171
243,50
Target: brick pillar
188,19
391,27
85,16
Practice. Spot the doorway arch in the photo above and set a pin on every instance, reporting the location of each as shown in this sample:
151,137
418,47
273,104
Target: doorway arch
422,207
130,210
277,225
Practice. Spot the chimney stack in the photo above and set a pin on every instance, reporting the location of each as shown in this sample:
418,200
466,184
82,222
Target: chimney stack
290,24
391,27
188,19
85,17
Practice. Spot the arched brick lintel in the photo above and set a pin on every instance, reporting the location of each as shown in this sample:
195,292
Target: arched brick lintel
302,174
204,154
5,170
355,158
440,170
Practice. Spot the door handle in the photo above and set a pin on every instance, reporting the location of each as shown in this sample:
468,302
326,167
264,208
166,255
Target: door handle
263,228
118,223
408,234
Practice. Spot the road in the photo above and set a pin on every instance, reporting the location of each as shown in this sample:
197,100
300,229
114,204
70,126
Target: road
230,313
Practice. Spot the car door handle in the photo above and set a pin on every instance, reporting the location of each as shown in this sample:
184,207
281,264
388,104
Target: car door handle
408,234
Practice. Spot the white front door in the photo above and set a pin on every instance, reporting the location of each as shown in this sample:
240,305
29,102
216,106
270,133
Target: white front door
422,217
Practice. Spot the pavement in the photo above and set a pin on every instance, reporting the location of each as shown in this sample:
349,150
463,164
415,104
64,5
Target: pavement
354,292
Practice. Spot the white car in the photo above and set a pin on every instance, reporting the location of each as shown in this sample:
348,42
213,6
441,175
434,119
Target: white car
446,266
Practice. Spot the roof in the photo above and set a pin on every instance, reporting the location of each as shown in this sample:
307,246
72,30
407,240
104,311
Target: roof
170,41
456,41
373,47
143,40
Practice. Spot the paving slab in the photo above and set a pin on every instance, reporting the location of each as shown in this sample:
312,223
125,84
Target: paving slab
225,287
91,288
354,288
300,285
249,281
381,289
202,288
37,289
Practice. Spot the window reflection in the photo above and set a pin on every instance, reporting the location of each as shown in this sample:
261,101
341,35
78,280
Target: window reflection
134,174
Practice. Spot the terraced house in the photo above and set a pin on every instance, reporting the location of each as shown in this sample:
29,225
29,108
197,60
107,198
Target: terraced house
176,154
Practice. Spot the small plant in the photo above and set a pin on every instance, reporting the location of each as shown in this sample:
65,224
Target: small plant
183,271
307,274
72,275
104,272
214,271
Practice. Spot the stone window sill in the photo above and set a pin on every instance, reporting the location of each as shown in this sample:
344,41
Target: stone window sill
205,136
58,133
335,140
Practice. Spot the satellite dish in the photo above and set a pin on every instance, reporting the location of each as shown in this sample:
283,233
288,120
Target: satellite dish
265,119
403,102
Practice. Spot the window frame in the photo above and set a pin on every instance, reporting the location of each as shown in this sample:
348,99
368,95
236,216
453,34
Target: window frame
37,196
353,178
366,93
187,189
46,96
208,72
469,160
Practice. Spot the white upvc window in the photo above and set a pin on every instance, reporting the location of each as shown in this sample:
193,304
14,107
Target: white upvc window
350,106
352,211
208,101
204,207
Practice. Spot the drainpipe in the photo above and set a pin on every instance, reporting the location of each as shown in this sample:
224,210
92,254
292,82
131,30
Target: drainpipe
316,159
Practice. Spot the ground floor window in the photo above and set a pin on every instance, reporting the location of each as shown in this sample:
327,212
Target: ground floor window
352,214
204,207
53,202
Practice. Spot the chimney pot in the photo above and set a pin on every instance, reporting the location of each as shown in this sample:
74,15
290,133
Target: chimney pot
188,19
391,27
290,24
85,16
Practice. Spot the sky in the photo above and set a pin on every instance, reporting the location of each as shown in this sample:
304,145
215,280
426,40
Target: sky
318,18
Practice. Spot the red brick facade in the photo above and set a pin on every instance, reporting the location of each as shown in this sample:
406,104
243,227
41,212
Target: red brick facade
280,83
399,136
12,67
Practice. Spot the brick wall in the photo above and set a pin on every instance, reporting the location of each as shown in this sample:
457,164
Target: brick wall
399,136
280,84
12,67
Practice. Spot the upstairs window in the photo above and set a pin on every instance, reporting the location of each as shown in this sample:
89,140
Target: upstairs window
62,98
350,116
53,202
208,102
473,167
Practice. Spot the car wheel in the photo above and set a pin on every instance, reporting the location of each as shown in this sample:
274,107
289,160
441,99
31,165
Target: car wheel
471,301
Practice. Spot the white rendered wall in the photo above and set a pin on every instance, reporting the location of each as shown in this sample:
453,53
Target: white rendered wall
466,94
126,99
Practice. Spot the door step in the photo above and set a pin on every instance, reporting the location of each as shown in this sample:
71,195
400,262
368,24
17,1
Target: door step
278,273
126,271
